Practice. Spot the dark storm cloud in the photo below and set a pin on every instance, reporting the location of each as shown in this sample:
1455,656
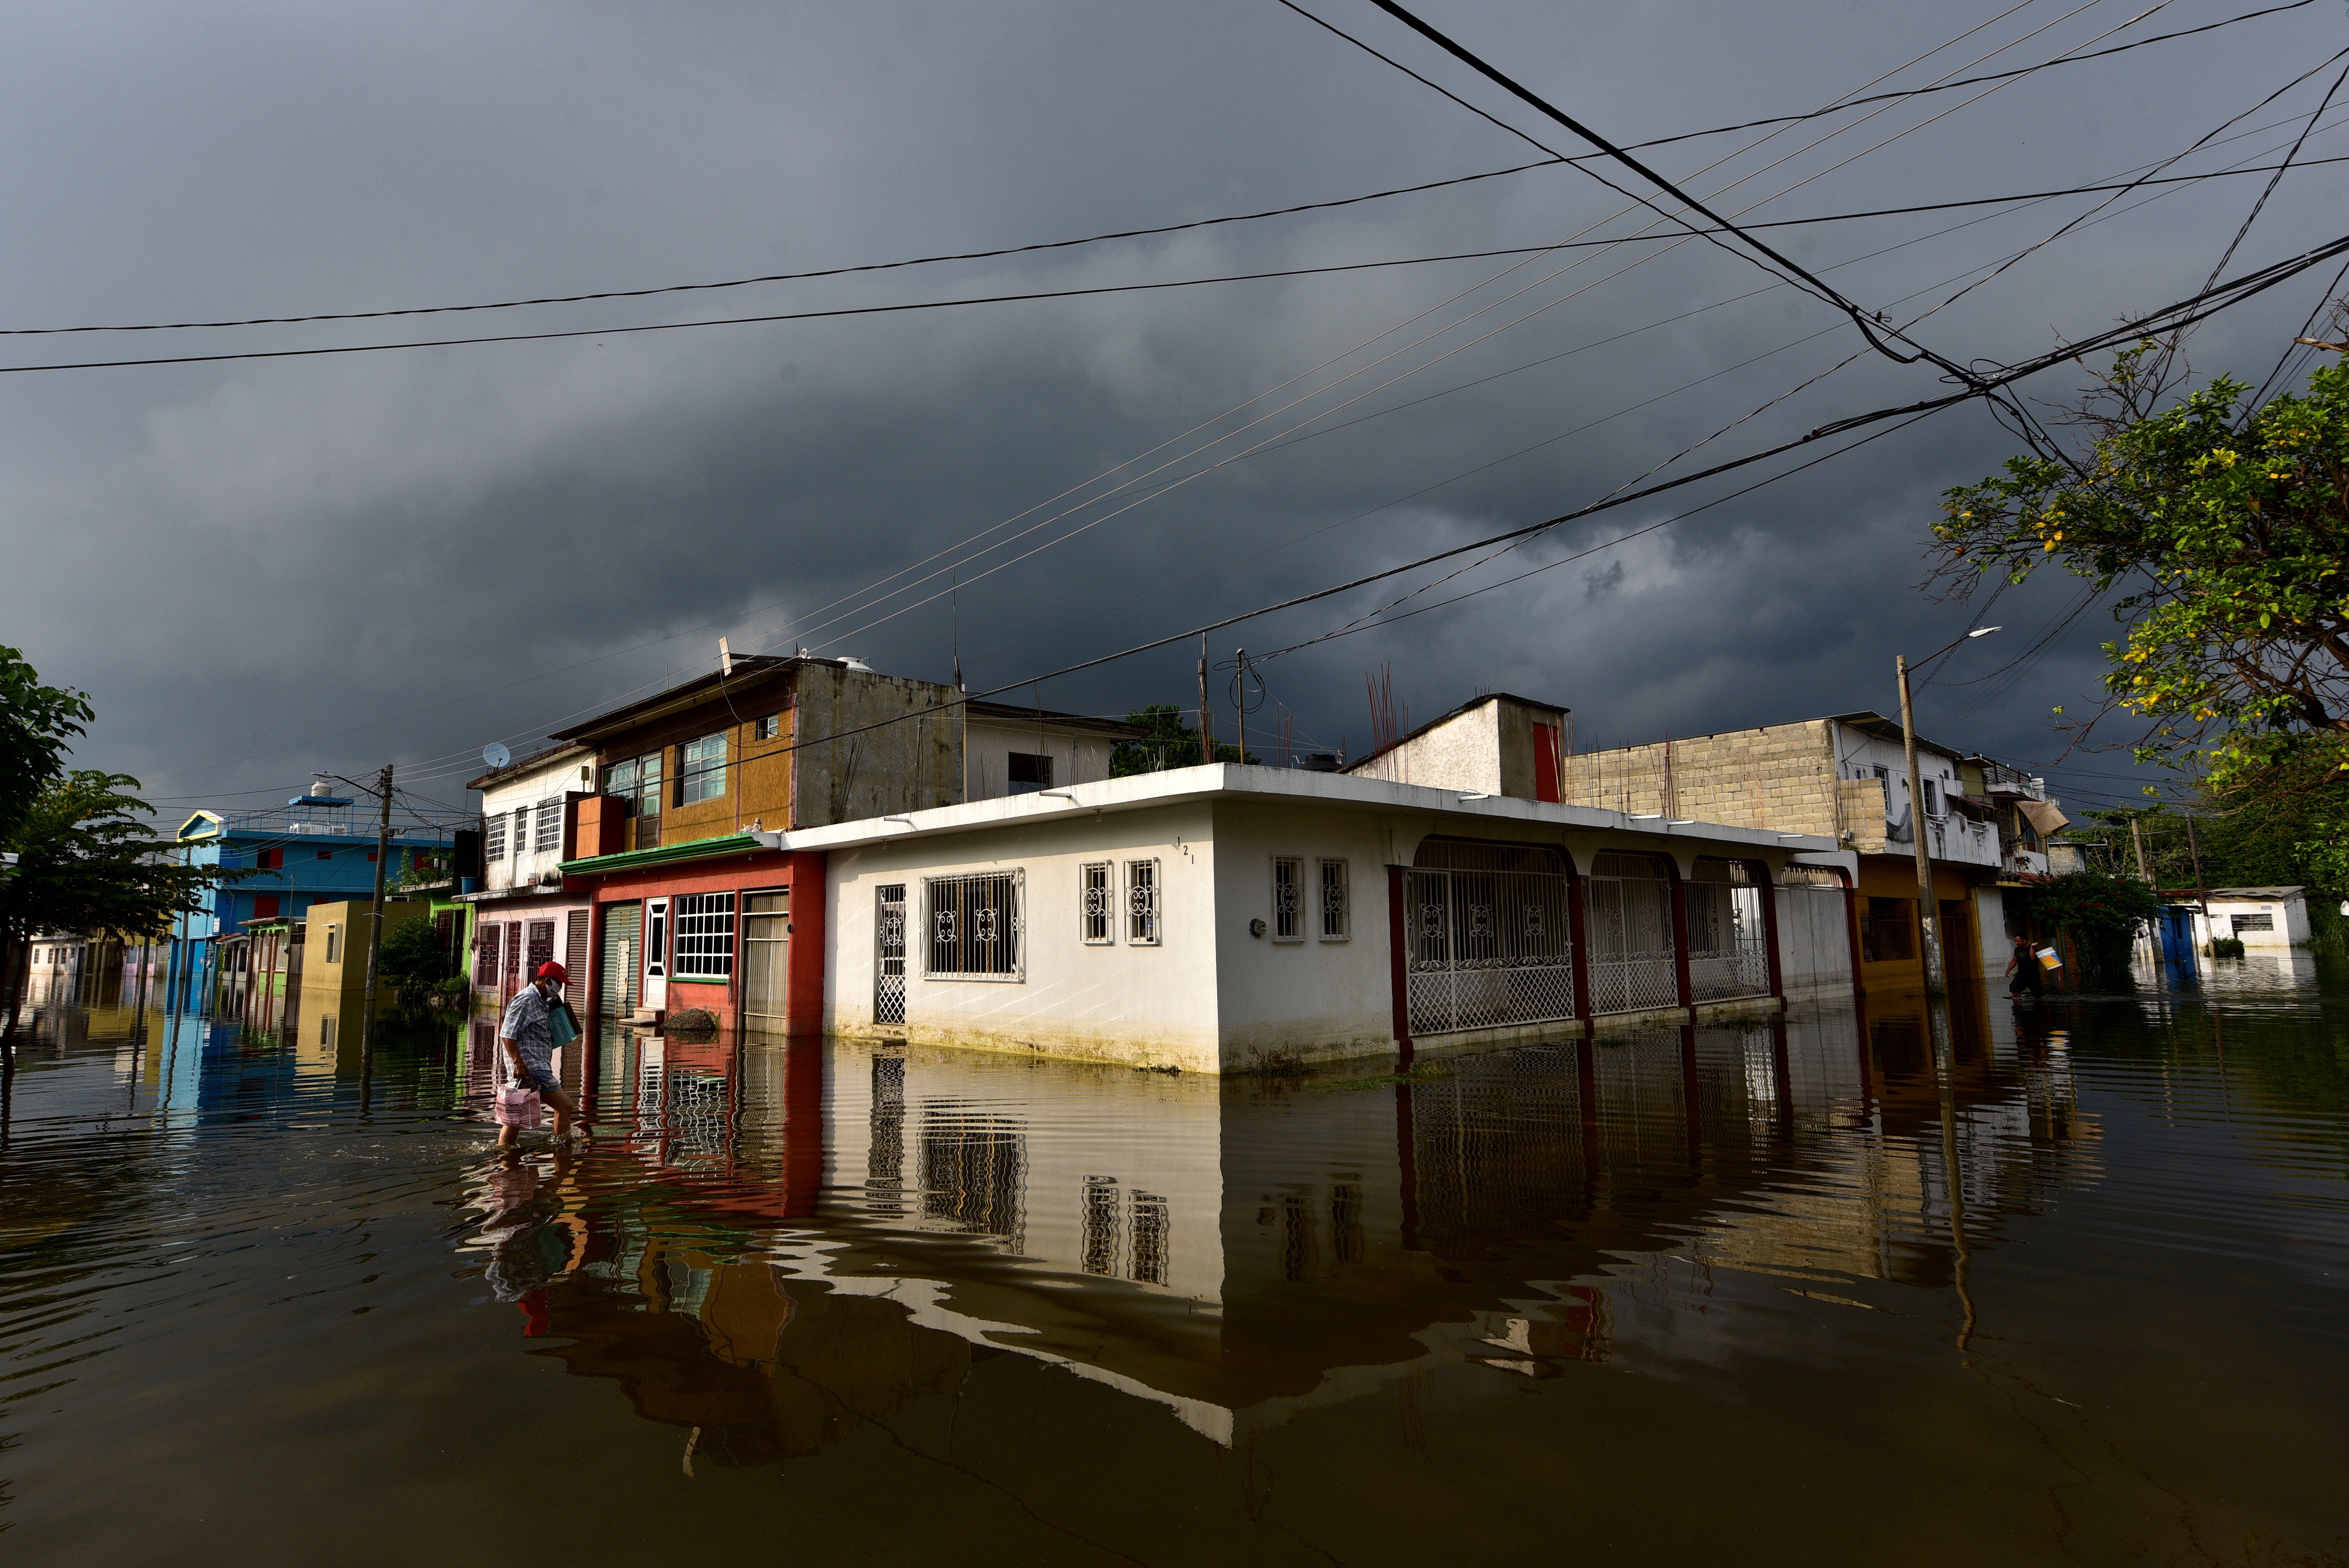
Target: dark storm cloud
264,568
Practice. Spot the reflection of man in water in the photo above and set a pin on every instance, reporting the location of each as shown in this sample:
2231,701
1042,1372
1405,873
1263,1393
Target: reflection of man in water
530,1245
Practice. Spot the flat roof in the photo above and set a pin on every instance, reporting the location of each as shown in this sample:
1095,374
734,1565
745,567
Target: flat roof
1465,811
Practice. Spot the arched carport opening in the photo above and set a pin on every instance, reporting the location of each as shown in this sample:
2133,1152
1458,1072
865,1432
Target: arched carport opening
1490,938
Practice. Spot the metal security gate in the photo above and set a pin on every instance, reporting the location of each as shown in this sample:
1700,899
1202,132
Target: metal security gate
1631,932
615,996
1492,939
889,955
1729,942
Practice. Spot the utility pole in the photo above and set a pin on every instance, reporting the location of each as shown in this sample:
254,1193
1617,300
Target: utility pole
1240,696
2136,836
2201,893
1928,911
382,854
1206,716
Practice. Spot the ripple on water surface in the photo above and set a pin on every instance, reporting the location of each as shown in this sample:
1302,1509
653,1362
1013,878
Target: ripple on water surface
1787,1290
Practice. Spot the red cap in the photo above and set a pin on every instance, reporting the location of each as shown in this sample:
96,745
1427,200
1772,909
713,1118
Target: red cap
550,970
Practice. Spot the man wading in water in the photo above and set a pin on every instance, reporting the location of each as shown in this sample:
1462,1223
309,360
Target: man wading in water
527,1050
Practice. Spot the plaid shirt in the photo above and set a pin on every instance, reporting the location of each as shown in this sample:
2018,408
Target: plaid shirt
525,1026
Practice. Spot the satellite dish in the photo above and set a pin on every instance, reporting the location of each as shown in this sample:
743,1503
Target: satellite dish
496,754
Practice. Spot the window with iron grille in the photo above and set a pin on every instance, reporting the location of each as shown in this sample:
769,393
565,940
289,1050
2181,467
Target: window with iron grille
975,927
1288,898
1337,902
705,935
1142,903
494,842
1097,913
701,772
521,830
549,835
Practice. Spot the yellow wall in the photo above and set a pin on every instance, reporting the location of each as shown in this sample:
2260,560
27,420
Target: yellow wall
339,984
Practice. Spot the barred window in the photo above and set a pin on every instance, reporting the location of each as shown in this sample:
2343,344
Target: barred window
1096,912
550,826
1142,903
1288,899
702,773
975,927
494,842
705,935
1337,903
521,830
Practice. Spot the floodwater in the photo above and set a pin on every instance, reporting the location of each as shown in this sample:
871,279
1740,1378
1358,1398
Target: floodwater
1770,1293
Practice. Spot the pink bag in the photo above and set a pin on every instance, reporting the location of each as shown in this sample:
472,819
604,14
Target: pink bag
517,1107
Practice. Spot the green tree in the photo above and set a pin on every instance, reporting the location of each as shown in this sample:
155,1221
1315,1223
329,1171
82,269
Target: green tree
413,961
2102,914
37,725
2226,529
87,860
1173,742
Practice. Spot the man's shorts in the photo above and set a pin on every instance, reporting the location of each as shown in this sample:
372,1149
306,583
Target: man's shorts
541,1083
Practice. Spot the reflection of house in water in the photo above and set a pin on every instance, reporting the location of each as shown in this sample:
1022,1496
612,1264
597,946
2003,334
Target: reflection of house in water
862,1223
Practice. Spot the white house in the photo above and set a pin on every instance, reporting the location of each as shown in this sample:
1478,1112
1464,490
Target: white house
1233,918
523,916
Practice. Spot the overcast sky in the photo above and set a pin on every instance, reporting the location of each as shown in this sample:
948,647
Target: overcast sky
263,568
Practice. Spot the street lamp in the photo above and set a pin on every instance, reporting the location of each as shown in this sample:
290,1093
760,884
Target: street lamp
1928,909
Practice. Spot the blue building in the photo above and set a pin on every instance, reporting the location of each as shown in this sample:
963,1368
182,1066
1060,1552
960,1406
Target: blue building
319,848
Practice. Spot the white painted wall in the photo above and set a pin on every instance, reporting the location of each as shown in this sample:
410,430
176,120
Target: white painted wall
2289,914
1077,759
1312,999
1960,840
1463,752
526,785
1814,941
1118,1002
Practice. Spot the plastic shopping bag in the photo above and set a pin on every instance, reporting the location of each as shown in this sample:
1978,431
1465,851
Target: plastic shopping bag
517,1107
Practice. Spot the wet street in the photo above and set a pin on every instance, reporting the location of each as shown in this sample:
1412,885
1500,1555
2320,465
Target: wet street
2073,1290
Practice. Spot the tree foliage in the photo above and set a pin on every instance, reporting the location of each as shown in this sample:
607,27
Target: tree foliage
1173,742
37,725
2225,527
2102,914
413,961
87,860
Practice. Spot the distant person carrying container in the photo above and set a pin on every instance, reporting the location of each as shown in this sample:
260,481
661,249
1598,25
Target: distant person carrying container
2024,976
526,1054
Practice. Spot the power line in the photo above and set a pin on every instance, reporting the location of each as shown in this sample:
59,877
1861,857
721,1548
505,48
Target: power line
2181,313
1115,234
1819,286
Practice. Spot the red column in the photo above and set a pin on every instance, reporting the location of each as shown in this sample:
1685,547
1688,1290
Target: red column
1399,947
803,980
1577,916
1679,940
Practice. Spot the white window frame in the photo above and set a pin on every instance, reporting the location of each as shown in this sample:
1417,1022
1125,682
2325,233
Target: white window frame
1289,877
696,918
769,727
1344,909
493,836
692,776
1145,924
1017,974
1097,903
546,832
